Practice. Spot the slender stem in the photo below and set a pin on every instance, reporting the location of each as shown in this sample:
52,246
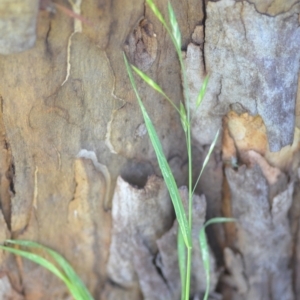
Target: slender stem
190,174
190,166
189,250
188,274
190,170
189,138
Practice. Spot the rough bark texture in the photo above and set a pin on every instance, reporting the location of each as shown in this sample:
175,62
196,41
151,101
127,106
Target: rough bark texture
18,25
263,235
253,62
77,170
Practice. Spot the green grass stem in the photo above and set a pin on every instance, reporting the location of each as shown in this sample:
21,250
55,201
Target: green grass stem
182,256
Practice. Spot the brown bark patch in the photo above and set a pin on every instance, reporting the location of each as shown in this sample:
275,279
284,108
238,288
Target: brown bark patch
244,132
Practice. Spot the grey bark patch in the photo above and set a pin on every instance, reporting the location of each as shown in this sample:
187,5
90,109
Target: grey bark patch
7,290
253,60
17,25
140,216
263,234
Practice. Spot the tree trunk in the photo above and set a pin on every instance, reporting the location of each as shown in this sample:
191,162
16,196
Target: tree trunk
78,172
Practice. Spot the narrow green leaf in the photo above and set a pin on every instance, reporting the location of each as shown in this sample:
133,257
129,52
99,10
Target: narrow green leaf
154,85
163,165
157,13
77,286
219,220
183,117
205,249
41,261
202,92
174,26
181,250
175,39
205,258
211,148
73,277
37,259
168,178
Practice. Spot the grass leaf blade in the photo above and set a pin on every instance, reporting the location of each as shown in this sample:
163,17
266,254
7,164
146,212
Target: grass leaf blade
219,220
163,165
169,179
157,13
78,287
154,85
205,249
202,92
183,117
211,148
42,262
175,28
37,259
181,262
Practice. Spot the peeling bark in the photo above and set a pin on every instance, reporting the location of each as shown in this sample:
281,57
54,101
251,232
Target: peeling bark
249,71
141,255
134,239
72,135
263,236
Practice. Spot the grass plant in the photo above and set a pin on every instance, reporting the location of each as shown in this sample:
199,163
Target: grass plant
184,242
62,269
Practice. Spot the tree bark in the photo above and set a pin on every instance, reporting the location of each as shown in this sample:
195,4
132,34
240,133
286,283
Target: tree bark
78,172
